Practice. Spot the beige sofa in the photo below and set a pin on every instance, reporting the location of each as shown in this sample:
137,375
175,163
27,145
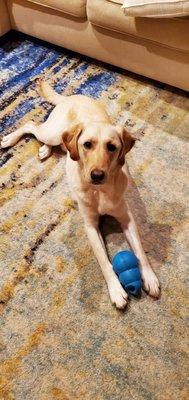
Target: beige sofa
156,48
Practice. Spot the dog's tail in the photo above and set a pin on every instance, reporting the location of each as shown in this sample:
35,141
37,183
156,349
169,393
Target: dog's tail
49,93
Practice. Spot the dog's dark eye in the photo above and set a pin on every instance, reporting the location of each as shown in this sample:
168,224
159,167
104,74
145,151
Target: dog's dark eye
111,147
87,145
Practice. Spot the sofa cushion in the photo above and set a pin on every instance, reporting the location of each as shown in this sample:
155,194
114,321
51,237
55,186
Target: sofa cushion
169,32
156,9
77,8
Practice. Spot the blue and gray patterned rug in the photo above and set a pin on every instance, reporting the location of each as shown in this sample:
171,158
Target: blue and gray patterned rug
60,338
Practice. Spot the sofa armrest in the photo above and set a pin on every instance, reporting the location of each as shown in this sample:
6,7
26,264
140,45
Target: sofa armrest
5,25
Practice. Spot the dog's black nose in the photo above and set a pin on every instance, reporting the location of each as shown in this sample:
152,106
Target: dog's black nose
97,175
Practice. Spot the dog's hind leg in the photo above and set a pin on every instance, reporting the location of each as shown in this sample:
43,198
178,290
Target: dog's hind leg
14,137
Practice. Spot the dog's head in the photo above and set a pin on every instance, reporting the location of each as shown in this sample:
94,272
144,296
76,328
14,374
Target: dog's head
99,148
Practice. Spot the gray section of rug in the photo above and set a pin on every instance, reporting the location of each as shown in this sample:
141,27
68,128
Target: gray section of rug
60,337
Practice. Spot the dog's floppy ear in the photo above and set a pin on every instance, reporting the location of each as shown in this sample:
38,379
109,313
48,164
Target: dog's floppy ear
70,140
127,142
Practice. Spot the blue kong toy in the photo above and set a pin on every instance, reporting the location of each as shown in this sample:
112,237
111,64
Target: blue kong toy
125,265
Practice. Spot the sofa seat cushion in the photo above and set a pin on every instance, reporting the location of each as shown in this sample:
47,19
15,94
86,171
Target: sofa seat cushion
173,33
77,8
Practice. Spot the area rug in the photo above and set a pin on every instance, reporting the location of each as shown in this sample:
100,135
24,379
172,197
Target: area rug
60,338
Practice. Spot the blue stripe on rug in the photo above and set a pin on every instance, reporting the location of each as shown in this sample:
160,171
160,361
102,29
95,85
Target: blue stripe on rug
58,67
81,70
20,55
95,84
65,81
23,76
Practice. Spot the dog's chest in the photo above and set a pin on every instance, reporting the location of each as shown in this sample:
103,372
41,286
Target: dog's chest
105,203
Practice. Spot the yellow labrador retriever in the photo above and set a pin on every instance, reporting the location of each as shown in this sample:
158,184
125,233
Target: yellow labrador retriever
97,175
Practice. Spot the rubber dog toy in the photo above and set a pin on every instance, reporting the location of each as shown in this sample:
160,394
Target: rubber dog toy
126,266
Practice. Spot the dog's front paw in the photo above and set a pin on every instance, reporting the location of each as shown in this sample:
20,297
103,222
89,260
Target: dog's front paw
150,282
118,295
